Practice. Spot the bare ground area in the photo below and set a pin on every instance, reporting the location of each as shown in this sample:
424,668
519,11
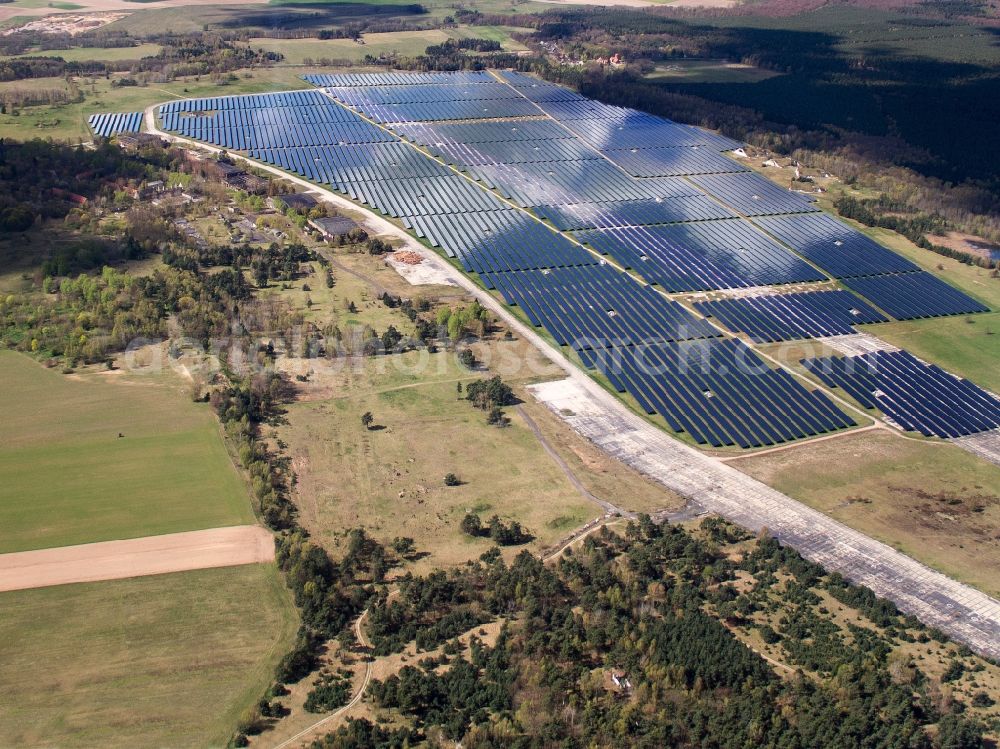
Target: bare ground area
970,243
137,557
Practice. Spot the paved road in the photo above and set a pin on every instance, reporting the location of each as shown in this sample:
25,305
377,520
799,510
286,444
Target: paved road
986,445
136,557
964,612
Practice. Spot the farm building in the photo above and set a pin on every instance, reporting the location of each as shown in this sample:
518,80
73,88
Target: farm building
333,226
298,201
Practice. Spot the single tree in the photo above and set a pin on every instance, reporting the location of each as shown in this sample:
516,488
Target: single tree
471,525
451,479
367,419
467,358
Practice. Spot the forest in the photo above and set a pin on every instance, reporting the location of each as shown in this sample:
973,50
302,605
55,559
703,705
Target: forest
659,608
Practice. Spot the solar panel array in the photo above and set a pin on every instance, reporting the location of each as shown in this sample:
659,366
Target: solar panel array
465,159
919,397
753,195
786,317
499,241
893,283
701,256
910,295
597,307
637,212
397,79
113,123
833,246
718,391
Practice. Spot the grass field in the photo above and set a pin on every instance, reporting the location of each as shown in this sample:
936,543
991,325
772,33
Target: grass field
83,54
403,43
69,121
67,478
390,479
163,661
935,502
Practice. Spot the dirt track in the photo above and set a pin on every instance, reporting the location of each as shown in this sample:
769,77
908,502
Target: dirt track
152,555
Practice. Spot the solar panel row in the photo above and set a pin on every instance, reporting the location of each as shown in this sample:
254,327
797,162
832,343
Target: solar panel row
499,241
290,136
573,182
906,296
339,165
113,123
672,162
397,79
786,317
701,256
597,307
513,152
919,397
576,216
424,94
718,391
481,132
834,246
244,102
641,130
284,116
537,90
449,110
753,195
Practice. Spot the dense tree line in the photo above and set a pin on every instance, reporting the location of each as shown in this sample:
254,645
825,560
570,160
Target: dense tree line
38,179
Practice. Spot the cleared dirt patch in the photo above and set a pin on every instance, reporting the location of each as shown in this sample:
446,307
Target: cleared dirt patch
137,557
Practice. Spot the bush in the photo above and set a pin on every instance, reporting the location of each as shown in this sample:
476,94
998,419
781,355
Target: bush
331,691
451,479
982,700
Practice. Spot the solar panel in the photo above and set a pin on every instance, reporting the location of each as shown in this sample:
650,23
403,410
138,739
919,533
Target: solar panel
834,246
499,241
106,125
753,195
482,132
701,256
786,317
449,110
574,182
422,94
672,162
640,130
397,79
597,307
641,212
919,397
906,296
718,391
